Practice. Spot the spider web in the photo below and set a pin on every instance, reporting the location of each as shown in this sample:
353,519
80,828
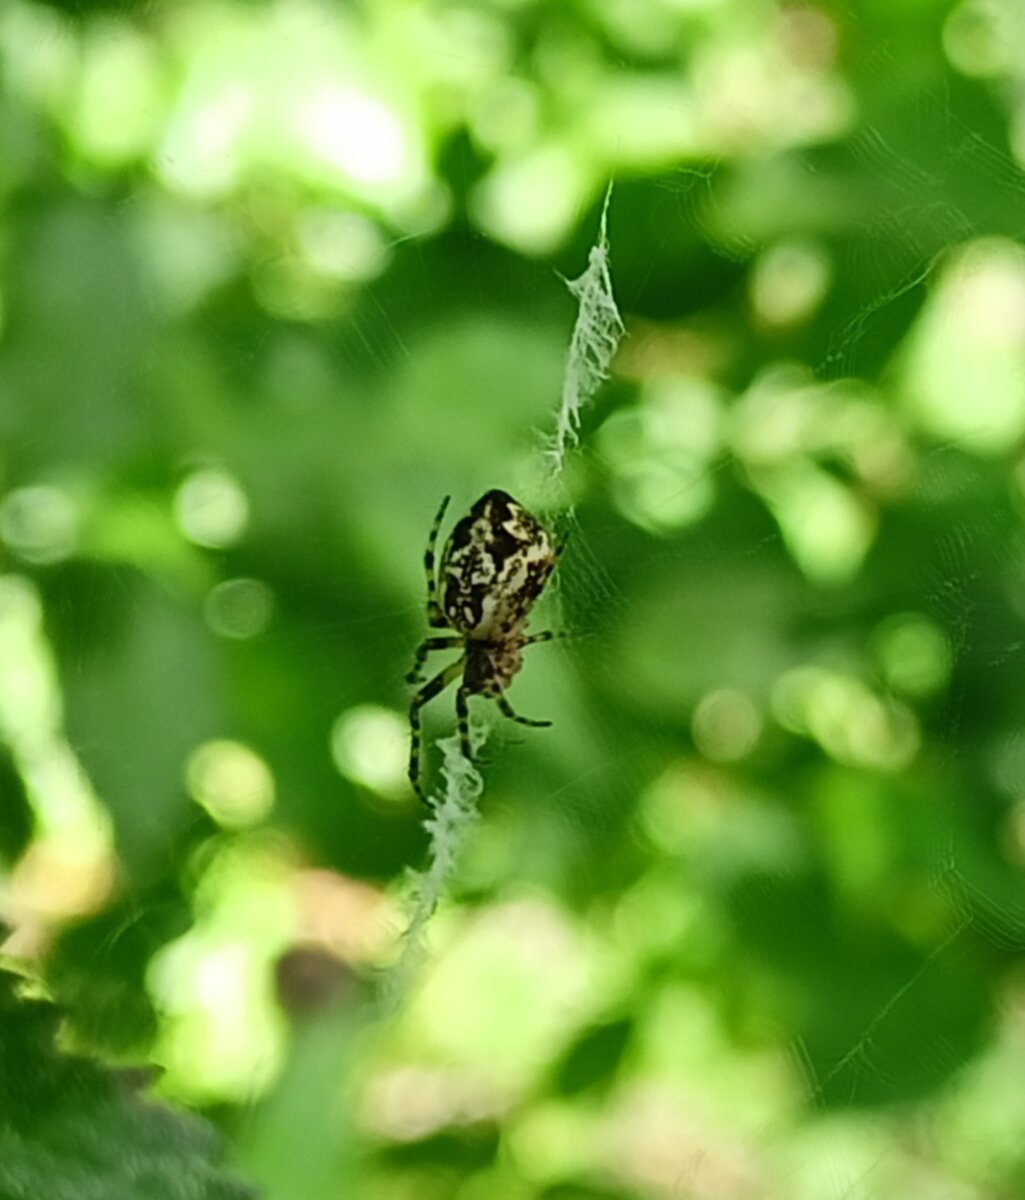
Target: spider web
586,795
971,607
966,598
593,343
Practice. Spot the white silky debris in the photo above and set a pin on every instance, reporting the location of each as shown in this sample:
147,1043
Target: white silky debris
596,336
453,816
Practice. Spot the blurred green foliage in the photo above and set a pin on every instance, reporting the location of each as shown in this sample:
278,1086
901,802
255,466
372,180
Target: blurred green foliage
71,1129
274,278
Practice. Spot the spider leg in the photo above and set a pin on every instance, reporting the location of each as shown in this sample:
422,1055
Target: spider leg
507,711
506,708
425,694
425,647
463,721
435,617
548,636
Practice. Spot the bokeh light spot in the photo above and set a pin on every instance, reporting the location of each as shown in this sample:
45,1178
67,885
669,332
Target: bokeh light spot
39,523
231,782
788,283
914,653
850,723
239,608
963,364
826,527
221,1033
342,245
118,101
211,508
726,725
660,452
200,153
354,132
979,38
370,746
529,202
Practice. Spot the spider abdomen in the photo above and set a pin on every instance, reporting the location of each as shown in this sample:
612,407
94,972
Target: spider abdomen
494,566
490,666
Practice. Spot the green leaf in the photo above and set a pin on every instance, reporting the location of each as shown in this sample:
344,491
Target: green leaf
71,1129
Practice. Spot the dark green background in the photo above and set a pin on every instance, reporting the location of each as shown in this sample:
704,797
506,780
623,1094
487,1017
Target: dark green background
747,921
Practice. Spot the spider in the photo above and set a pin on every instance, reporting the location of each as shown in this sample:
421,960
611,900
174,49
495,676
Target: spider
494,565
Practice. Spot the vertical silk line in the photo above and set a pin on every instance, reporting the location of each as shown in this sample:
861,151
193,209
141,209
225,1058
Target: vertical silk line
454,814
596,335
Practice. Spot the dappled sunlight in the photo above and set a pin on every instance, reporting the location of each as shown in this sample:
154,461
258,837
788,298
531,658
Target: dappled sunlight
961,372
914,654
826,527
343,246
662,452
789,283
347,918
211,508
222,1033
355,134
529,202
726,725
67,869
39,523
721,824
743,922
408,1103
231,782
505,992
239,608
118,94
792,434
370,746
982,37
847,720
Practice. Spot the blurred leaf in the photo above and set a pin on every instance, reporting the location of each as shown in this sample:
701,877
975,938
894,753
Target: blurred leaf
71,1130
16,817
594,1058
472,1147
98,966
141,692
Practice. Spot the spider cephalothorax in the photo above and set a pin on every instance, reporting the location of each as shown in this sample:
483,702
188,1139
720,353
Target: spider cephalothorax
494,566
